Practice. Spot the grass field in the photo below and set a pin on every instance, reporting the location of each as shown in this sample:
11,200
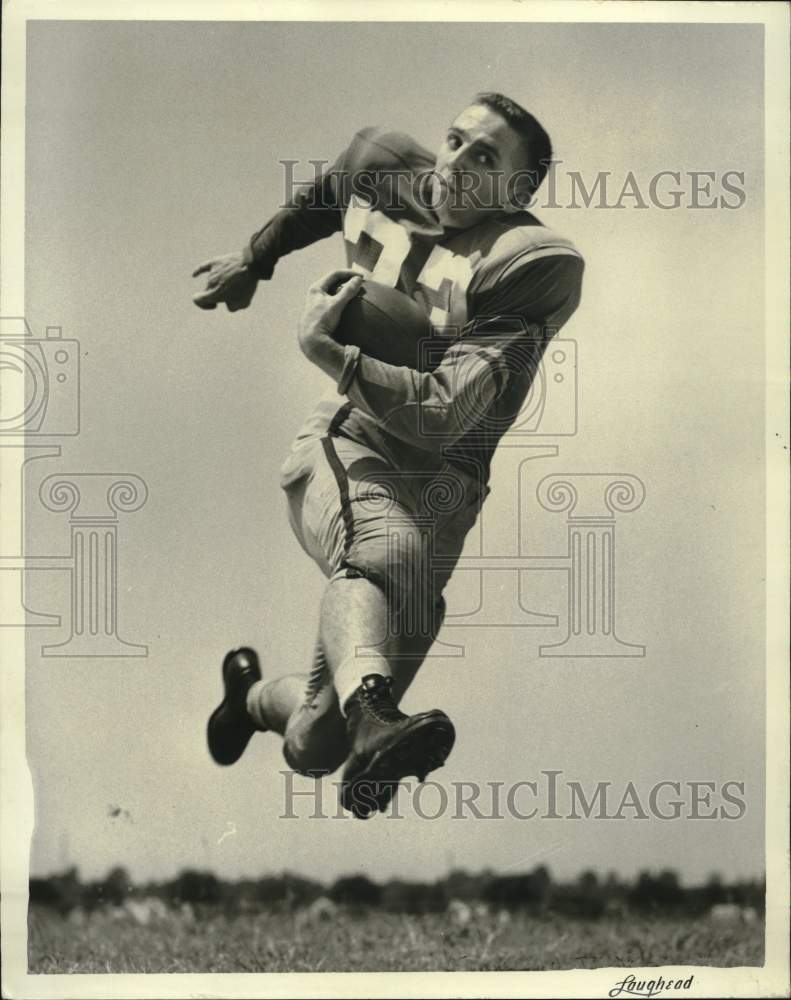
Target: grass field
377,941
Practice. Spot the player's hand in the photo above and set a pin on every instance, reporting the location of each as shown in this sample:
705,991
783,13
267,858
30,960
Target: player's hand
326,300
230,280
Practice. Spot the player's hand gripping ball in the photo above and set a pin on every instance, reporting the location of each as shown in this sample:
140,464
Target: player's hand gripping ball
324,304
383,322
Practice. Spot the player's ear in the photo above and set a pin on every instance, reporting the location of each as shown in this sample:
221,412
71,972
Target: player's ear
519,190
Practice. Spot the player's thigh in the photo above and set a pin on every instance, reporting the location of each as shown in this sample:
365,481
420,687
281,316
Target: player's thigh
316,509
354,514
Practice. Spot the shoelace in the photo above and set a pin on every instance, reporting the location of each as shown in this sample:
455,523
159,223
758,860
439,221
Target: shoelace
378,703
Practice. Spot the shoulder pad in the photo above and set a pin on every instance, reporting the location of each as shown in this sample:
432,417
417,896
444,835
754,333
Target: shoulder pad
521,234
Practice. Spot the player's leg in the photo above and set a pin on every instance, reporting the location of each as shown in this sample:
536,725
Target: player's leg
252,703
305,708
381,575
379,572
363,634
301,707
315,742
353,618
271,703
354,631
387,744
412,648
348,538
380,614
315,736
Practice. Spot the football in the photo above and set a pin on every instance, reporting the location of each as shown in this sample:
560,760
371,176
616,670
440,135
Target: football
389,326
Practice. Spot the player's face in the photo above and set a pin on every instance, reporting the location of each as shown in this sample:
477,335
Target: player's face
480,153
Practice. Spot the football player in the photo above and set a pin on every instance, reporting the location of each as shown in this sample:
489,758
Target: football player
384,485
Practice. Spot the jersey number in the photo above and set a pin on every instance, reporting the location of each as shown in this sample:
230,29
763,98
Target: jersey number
381,246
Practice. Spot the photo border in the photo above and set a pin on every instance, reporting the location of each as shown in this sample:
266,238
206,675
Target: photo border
16,824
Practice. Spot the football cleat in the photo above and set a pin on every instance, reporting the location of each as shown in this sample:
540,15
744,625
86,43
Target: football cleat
388,745
230,727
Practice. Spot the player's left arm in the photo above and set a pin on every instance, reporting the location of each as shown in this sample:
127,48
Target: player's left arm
313,213
521,310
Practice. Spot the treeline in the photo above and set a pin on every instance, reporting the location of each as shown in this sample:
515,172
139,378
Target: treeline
535,892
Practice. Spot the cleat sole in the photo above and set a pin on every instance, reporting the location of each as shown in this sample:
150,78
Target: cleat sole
416,751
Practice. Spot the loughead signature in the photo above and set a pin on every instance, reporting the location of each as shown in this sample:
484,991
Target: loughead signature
649,987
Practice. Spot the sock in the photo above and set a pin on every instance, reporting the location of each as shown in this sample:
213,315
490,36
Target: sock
349,675
254,706
270,704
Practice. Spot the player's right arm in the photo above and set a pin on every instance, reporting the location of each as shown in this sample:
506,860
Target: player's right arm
513,321
314,213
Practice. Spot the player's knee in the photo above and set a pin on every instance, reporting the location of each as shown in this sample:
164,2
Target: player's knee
399,564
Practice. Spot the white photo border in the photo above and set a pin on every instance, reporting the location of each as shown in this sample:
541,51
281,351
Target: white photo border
16,825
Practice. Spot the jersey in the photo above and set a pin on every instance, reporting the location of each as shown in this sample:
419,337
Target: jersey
498,291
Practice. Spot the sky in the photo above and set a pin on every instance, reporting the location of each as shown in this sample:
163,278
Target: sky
153,146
